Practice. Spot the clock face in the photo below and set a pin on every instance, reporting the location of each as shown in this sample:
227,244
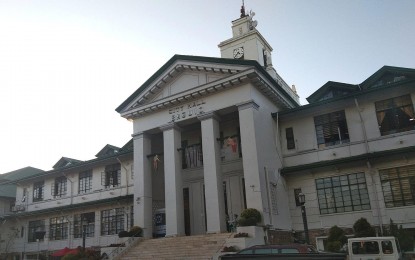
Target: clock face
238,53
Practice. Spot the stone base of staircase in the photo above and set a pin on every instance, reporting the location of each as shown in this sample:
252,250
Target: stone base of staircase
179,248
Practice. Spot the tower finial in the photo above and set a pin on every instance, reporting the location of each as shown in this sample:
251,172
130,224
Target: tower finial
243,9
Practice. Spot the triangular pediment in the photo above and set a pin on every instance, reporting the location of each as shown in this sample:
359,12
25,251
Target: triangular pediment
187,78
65,162
388,75
332,90
180,74
107,150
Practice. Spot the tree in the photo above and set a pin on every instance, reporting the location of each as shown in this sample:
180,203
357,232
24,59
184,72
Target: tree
336,239
405,239
362,228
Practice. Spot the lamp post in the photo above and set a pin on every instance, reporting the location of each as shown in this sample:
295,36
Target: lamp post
39,234
83,234
301,199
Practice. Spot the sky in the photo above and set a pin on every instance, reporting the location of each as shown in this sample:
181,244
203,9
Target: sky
66,65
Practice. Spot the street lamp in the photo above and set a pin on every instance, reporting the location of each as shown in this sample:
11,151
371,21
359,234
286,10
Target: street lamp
301,199
83,233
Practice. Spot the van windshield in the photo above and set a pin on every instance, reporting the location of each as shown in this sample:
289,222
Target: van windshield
365,248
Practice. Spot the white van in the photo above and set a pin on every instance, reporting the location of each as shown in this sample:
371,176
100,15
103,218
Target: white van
374,248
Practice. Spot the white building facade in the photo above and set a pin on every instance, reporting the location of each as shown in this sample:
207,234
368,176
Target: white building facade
213,136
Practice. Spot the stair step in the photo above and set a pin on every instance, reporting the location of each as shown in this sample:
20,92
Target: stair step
178,248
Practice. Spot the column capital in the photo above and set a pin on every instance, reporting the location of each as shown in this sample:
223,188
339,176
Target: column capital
140,135
170,126
209,115
247,104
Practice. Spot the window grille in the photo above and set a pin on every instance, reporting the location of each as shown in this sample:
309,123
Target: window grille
112,221
81,221
35,226
112,176
85,181
342,193
38,189
58,228
398,185
59,188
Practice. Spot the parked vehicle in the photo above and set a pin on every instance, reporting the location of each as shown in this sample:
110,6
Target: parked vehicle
290,251
278,249
366,248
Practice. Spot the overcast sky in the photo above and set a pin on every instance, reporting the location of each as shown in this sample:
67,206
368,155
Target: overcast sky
66,65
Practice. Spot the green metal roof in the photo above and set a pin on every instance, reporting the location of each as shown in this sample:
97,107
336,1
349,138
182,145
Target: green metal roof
125,198
366,156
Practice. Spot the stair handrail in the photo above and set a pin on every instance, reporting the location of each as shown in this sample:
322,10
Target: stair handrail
123,247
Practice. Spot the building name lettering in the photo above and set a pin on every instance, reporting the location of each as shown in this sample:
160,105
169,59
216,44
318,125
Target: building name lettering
188,110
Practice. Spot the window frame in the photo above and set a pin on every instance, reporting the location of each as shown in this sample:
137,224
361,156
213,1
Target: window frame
33,227
87,219
289,136
58,228
112,172
38,191
398,186
59,187
331,129
342,193
112,221
85,182
389,113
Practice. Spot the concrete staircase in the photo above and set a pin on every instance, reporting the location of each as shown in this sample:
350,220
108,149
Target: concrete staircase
178,248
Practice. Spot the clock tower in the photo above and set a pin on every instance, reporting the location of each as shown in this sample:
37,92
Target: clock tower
247,43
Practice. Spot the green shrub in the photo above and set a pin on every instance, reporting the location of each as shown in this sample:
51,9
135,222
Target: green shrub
336,239
135,231
362,228
249,217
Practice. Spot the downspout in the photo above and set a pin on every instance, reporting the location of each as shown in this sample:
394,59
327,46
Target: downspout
369,166
126,173
268,196
71,186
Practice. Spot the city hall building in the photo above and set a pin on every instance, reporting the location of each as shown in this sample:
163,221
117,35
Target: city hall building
213,136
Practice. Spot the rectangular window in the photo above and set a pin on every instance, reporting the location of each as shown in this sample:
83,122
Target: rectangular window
36,230
289,135
331,129
112,176
112,221
85,181
395,115
59,187
85,221
58,228
342,193
38,189
398,185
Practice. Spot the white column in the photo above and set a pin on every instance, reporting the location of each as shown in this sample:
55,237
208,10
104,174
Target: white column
215,205
143,195
250,152
173,180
